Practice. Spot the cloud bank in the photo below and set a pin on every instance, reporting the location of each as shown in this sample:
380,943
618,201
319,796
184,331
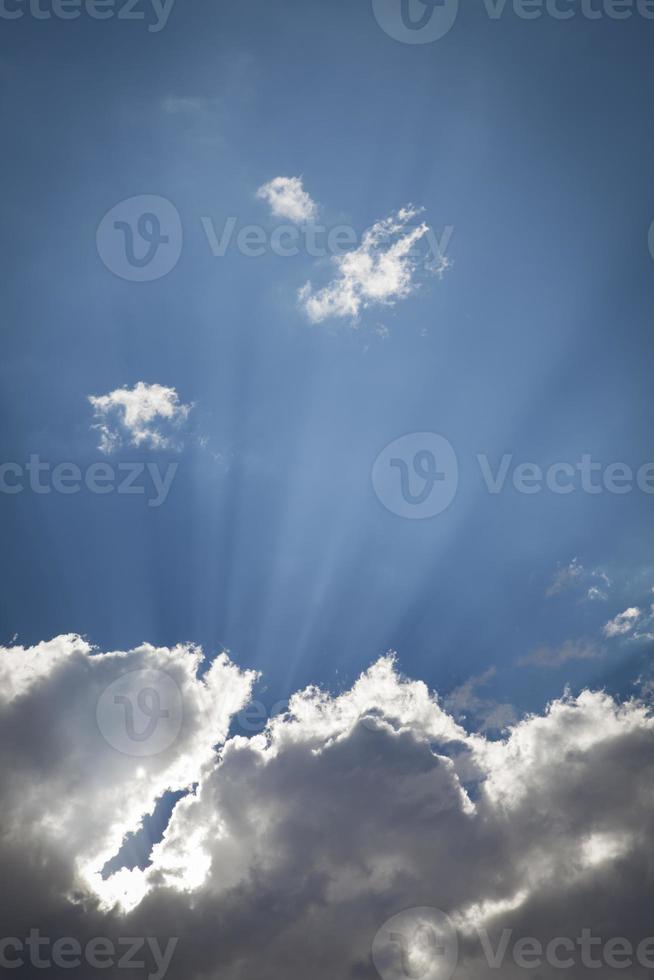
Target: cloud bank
292,848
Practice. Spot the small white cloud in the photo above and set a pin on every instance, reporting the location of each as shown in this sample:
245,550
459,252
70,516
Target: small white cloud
145,415
288,199
623,623
595,594
380,271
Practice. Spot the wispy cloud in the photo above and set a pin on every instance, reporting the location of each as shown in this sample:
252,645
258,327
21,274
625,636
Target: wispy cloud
565,577
623,623
288,199
185,105
380,271
464,702
556,656
146,415
595,582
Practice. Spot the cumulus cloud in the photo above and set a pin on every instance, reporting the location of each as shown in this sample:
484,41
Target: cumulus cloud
288,199
381,271
63,777
623,623
292,848
146,415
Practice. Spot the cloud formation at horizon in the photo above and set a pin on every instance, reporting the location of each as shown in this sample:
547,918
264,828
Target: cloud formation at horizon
344,811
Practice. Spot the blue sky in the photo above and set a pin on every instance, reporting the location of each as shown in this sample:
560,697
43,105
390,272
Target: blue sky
532,140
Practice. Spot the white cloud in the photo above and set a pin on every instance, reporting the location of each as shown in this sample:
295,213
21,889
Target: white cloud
146,415
380,271
288,199
81,758
294,846
623,623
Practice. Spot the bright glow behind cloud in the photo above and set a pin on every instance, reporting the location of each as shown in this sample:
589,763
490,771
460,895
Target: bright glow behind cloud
342,813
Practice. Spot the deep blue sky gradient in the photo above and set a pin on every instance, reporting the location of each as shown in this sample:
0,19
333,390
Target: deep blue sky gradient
533,139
